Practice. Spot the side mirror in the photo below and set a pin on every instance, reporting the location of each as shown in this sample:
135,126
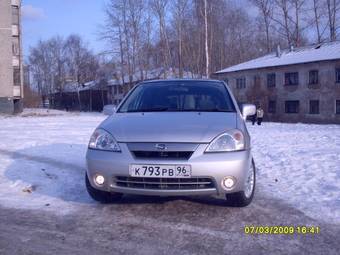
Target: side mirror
248,110
109,109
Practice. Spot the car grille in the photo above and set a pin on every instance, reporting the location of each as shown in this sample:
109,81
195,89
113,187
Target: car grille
163,154
164,183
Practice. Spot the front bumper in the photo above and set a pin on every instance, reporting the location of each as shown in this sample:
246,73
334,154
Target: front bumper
210,165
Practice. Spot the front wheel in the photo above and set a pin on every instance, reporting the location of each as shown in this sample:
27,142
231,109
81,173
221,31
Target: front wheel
99,195
244,197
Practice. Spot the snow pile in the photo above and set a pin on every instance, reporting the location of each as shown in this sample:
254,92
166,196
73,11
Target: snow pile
42,163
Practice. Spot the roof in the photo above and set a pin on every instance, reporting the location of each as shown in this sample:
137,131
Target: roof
74,86
315,53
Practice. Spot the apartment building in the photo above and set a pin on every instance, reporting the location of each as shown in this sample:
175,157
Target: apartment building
293,85
11,71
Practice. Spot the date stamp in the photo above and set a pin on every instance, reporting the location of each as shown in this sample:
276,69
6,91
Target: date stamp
281,230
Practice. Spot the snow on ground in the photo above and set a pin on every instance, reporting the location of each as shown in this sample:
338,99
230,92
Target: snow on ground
300,163
42,159
42,163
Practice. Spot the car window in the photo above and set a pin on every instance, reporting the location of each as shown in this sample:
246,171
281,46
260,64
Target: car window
179,96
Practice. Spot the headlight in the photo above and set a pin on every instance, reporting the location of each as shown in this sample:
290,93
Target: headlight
232,140
102,140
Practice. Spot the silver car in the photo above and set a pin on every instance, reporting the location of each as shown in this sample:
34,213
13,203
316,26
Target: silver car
173,138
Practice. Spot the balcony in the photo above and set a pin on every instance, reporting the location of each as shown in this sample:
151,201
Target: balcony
15,2
15,30
15,61
16,91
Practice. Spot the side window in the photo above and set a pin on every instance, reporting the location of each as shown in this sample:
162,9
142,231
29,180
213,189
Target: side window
15,46
292,106
337,107
15,15
271,80
291,79
314,107
16,76
337,75
241,83
313,77
271,106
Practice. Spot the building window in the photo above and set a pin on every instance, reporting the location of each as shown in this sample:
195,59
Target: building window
120,89
292,106
313,77
271,106
257,80
15,15
337,107
16,76
241,83
314,107
337,75
271,80
15,46
291,78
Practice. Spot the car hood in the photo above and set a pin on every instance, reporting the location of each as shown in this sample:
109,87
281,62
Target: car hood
190,127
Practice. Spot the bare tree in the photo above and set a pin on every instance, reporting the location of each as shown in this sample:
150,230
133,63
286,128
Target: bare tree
160,9
317,19
266,11
207,60
180,7
125,33
47,62
298,5
82,64
333,7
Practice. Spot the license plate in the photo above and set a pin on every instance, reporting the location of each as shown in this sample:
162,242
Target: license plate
166,171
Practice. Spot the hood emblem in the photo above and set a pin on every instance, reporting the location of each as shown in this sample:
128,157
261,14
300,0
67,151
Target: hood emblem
160,146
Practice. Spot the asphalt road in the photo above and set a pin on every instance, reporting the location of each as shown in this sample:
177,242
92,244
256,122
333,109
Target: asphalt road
152,225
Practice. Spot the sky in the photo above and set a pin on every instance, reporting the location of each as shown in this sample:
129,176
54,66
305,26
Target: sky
42,19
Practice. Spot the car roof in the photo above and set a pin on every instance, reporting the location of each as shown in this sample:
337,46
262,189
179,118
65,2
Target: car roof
184,80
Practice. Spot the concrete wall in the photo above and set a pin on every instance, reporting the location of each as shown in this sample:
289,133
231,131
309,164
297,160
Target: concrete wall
326,91
6,69
10,96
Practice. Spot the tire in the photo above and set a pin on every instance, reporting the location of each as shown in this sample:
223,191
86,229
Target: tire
101,196
239,199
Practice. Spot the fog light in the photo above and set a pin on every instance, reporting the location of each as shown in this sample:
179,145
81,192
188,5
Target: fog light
99,179
228,182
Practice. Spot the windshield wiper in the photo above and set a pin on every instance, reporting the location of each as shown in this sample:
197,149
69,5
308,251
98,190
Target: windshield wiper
156,109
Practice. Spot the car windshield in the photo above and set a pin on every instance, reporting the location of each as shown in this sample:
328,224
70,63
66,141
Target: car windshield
183,96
